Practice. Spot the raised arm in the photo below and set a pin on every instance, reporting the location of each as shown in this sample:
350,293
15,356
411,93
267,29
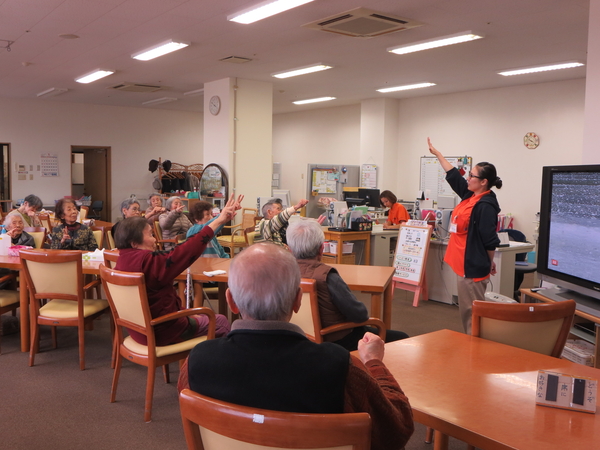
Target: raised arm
443,161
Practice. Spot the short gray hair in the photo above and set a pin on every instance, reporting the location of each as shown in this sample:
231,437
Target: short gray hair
170,201
154,194
264,280
305,238
267,206
9,218
126,204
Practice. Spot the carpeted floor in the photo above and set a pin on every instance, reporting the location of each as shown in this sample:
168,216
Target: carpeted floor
54,405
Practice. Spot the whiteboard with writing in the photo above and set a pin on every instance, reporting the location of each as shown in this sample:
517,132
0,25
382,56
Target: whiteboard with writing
411,254
433,176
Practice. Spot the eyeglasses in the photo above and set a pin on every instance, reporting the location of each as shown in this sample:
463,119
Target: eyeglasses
475,176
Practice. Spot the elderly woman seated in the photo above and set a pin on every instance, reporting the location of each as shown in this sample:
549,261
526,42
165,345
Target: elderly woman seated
14,228
130,207
137,253
70,234
155,209
202,215
174,221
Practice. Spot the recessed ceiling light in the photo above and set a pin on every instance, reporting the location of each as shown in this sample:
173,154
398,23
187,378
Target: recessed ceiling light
458,38
313,100
558,66
406,87
265,9
158,50
52,92
158,101
301,71
93,76
194,92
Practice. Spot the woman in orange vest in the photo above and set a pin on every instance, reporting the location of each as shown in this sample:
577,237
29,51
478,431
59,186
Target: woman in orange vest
397,214
473,236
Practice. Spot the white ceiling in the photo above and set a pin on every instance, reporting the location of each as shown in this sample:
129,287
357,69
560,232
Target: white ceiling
518,33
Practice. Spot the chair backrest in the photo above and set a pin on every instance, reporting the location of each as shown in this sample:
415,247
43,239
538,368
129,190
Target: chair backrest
539,327
110,258
46,222
157,230
126,293
98,235
38,234
110,240
516,236
55,274
308,317
211,424
248,215
83,212
97,205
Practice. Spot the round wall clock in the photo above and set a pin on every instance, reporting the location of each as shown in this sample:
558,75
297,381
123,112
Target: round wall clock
531,140
214,105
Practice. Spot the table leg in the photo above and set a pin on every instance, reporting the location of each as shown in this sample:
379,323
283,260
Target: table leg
368,252
376,305
222,300
24,312
340,250
388,297
440,441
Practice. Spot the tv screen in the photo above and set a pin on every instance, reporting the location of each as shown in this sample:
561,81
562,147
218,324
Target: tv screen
569,240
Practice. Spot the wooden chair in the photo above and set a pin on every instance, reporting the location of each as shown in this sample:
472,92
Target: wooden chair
538,327
83,212
309,319
99,233
39,235
9,299
57,275
159,236
47,222
239,233
110,258
211,424
110,240
129,305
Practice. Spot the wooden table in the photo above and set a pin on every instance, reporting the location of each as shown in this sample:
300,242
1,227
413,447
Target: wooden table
483,393
527,297
374,280
341,236
14,263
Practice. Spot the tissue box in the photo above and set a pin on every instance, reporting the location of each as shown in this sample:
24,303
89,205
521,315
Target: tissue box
14,250
579,351
347,247
96,255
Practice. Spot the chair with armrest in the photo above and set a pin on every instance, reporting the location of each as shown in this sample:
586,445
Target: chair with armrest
9,299
38,234
83,212
238,238
109,239
47,222
159,236
211,424
128,301
99,233
57,275
309,319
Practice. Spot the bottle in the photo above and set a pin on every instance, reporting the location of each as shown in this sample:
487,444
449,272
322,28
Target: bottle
2,229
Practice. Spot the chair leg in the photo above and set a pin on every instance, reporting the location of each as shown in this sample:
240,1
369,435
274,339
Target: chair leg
117,372
149,393
166,374
54,338
81,333
34,346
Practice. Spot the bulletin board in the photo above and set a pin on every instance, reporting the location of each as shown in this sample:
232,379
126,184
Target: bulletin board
411,254
324,181
433,176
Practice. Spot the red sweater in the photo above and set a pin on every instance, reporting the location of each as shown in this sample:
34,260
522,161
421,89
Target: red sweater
160,270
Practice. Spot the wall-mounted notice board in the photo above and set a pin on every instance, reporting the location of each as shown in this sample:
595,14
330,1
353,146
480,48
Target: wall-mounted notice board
433,177
411,254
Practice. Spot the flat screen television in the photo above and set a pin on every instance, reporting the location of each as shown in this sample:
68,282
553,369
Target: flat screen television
569,238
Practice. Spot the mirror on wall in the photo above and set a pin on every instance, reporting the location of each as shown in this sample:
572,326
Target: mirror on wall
214,186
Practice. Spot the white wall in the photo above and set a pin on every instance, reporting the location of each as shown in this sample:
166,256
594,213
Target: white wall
135,135
322,136
487,125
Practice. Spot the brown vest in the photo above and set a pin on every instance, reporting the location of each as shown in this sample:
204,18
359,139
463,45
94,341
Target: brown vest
330,315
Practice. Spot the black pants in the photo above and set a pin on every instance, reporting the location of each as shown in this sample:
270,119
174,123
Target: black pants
350,342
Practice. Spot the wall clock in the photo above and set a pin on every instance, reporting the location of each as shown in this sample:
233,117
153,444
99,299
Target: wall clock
531,140
214,105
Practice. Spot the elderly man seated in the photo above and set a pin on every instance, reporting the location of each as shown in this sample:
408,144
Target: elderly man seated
266,362
275,221
337,303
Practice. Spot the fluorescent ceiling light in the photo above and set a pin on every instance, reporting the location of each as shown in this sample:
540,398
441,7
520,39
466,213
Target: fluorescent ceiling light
406,87
95,75
313,100
52,92
158,50
264,10
566,65
158,101
301,71
457,38
194,92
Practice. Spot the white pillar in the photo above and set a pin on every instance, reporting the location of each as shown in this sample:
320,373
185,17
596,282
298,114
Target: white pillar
591,130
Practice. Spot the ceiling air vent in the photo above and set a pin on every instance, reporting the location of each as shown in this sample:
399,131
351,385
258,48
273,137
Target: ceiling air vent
135,87
364,23
235,59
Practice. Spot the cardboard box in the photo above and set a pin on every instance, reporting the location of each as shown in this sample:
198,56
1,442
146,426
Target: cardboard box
346,259
347,247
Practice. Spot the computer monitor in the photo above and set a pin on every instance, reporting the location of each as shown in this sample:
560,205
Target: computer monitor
363,196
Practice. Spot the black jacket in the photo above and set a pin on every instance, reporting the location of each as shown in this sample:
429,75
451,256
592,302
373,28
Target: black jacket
481,236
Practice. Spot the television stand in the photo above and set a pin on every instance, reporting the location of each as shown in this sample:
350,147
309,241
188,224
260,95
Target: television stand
584,310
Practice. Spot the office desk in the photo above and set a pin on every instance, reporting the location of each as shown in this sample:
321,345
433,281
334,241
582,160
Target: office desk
374,280
483,393
441,280
14,263
341,236
381,248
